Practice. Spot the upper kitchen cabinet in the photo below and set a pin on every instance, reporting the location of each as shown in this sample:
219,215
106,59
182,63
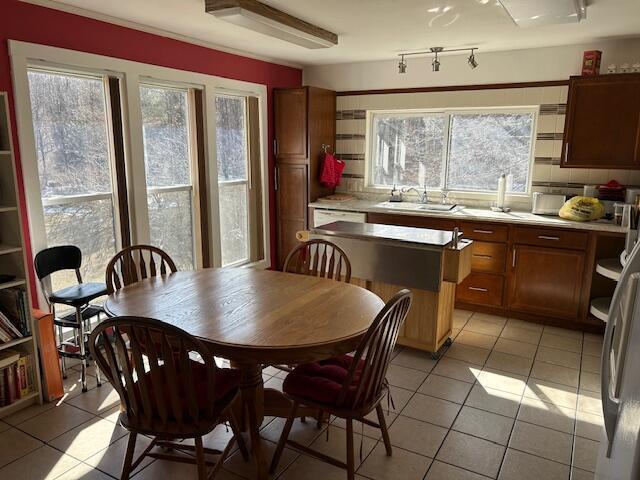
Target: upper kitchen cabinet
305,120
291,124
602,129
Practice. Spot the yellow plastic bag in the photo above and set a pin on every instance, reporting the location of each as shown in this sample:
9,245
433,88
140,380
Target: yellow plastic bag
582,209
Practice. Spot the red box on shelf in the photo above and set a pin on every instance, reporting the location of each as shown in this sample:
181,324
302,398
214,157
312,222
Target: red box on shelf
591,63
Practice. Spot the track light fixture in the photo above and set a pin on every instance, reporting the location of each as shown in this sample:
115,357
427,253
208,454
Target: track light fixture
402,65
472,60
435,64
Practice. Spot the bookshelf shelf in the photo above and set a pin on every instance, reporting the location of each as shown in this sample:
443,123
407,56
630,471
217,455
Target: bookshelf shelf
20,404
6,249
13,283
16,342
13,262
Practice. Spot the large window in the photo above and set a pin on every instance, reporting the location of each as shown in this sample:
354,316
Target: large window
167,157
233,177
451,149
73,150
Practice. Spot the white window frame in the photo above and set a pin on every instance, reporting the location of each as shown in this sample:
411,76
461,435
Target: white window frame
36,208
193,167
26,55
370,144
247,181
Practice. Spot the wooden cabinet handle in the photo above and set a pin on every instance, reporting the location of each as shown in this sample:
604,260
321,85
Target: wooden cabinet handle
478,289
547,237
513,260
487,257
486,232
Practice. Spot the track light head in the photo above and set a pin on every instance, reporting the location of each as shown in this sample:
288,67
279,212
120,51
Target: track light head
402,65
472,60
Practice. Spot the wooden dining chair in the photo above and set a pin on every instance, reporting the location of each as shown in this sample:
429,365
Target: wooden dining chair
165,393
136,263
350,386
319,258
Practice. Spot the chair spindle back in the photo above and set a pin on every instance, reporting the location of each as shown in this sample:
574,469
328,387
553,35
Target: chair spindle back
135,263
149,363
371,359
319,258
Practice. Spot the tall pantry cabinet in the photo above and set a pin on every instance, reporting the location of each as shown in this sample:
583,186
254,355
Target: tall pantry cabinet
305,120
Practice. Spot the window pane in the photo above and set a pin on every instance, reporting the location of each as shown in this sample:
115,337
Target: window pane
408,150
231,138
166,136
170,222
70,128
234,223
484,146
89,226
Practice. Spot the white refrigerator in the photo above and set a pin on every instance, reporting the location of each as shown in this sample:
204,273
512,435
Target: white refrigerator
619,456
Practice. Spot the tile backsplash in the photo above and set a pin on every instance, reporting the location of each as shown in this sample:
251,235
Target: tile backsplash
547,175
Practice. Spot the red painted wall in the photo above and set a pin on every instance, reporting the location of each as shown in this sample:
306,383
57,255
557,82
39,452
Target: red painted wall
35,24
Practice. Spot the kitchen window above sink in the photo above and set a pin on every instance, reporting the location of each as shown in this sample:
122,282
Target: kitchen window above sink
451,150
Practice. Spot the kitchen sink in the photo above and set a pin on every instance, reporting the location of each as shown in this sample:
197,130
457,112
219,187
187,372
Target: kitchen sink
438,207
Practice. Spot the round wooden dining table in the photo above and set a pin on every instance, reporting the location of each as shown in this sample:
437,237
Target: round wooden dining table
254,318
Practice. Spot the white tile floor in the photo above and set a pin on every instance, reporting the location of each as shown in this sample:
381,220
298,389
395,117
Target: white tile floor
509,400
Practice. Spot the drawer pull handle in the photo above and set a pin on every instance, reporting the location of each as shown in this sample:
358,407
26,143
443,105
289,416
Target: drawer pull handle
478,289
488,257
547,237
486,232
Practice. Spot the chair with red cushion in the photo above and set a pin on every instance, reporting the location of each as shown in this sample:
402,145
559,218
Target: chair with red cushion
350,386
170,388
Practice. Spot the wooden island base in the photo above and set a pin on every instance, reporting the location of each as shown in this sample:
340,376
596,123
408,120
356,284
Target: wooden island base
430,321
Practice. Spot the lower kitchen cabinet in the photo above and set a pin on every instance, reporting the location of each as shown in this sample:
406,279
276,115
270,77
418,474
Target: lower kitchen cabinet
546,281
291,201
481,289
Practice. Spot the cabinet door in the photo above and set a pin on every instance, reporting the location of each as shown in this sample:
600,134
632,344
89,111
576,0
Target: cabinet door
291,198
546,281
602,129
290,107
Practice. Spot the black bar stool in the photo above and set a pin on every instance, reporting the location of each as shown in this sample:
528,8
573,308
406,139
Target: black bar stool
69,257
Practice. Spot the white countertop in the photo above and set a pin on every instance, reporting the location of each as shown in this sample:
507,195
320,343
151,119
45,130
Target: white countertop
463,213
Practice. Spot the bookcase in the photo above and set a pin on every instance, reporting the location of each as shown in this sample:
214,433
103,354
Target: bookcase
13,265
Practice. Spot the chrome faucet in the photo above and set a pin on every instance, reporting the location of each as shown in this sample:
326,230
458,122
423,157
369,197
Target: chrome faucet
422,196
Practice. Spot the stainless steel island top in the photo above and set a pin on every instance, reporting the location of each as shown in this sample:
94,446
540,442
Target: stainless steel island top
388,234
406,256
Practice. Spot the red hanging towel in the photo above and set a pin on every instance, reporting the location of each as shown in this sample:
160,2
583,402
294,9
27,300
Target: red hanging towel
331,171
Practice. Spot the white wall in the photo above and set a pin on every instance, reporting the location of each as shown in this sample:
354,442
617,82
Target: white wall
554,63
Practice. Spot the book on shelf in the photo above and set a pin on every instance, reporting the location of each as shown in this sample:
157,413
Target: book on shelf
17,376
14,314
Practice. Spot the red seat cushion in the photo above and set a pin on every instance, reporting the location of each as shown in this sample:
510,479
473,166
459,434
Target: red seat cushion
227,381
321,382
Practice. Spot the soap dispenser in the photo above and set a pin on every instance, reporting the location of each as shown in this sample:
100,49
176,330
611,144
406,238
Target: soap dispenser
396,195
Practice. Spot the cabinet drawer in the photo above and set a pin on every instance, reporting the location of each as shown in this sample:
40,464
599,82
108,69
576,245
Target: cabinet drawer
481,289
550,238
485,231
488,257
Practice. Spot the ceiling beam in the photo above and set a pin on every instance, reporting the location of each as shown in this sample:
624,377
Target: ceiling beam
271,21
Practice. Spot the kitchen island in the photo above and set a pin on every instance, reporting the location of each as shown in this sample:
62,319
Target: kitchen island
386,258
532,267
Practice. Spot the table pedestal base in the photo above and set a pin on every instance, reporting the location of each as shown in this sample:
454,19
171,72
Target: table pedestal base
258,402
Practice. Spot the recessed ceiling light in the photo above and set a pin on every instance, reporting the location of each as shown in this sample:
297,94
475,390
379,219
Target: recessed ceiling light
434,10
446,9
